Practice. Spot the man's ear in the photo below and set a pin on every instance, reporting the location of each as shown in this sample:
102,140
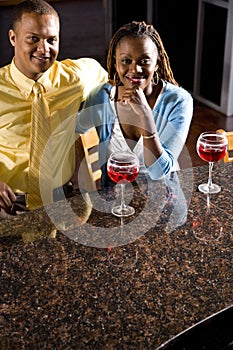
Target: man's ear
12,35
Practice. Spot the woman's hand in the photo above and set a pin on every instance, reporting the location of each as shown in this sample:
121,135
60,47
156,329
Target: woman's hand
136,98
134,103
7,197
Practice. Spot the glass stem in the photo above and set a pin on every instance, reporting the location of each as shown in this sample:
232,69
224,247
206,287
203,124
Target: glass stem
208,203
209,184
123,206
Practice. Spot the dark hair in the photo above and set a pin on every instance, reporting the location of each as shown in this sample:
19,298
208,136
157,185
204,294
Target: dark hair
140,30
28,6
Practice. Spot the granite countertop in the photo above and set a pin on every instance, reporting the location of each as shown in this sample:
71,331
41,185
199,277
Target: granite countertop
65,283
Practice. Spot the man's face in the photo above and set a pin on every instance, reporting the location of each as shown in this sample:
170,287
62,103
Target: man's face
36,43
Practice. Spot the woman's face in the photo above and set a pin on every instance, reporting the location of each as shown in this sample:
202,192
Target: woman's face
136,61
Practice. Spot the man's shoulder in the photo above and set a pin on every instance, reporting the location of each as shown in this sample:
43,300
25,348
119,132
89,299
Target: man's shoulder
80,63
86,69
7,84
4,72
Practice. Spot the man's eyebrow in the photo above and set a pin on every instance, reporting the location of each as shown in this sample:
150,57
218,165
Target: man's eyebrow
37,34
31,33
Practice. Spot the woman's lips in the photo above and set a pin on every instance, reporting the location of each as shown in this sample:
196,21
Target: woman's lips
135,80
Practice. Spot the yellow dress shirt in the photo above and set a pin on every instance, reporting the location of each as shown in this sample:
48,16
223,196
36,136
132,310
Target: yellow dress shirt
67,84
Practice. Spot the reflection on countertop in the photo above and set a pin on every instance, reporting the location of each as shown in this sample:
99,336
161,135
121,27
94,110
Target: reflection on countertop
59,290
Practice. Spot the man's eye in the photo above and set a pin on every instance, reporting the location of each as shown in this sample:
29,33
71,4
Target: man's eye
34,39
52,41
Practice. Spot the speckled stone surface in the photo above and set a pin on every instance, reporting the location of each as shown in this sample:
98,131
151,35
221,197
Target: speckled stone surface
71,289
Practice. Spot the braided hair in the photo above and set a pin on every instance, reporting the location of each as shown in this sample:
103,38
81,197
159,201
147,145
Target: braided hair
140,30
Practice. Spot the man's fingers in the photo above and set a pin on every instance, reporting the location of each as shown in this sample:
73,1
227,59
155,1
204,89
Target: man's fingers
7,198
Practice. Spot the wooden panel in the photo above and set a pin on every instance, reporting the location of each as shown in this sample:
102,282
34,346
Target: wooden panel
229,156
88,161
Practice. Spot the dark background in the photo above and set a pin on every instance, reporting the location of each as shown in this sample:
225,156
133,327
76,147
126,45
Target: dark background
83,33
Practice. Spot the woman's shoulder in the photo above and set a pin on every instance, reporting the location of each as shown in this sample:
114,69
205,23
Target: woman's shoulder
100,93
103,88
178,92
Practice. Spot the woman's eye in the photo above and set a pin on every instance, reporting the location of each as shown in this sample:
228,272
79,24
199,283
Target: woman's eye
145,61
126,61
142,62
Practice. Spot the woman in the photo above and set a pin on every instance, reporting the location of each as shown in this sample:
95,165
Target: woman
142,107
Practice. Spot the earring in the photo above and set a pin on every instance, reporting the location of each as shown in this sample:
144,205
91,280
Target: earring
155,79
116,80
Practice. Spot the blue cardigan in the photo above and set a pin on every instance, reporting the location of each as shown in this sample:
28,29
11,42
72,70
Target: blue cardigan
172,114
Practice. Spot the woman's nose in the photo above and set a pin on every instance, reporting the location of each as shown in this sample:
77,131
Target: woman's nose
134,67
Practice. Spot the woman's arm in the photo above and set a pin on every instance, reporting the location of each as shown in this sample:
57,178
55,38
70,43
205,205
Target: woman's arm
164,129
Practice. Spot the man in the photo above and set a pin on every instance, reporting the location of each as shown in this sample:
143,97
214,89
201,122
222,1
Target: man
64,86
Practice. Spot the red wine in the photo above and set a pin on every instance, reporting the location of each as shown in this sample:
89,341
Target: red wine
211,153
124,173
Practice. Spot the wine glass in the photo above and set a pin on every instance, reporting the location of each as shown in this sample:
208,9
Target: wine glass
211,147
126,255
123,167
206,226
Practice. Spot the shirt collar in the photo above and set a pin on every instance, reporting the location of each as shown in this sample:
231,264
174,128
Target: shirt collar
24,83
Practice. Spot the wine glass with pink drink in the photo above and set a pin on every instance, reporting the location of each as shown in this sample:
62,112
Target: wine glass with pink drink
211,147
123,167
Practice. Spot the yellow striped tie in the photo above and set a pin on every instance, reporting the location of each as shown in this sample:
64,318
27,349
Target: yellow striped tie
40,164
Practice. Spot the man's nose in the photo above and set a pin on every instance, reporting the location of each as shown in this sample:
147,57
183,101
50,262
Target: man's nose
43,46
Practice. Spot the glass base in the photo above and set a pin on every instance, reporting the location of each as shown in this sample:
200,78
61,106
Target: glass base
125,211
207,228
123,256
209,189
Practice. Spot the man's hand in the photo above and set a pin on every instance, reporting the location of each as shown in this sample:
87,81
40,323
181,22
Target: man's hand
7,197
